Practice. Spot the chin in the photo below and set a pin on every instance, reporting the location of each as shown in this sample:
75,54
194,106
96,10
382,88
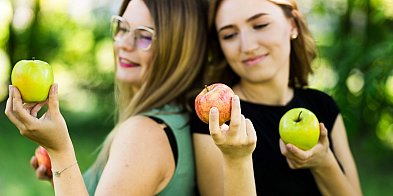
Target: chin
128,78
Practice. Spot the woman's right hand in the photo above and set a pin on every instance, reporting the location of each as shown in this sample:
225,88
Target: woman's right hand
49,130
41,171
238,140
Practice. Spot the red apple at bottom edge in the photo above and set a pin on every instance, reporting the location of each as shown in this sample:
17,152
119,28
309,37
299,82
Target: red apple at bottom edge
215,95
43,159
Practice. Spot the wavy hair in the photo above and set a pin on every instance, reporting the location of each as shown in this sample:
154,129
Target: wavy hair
179,53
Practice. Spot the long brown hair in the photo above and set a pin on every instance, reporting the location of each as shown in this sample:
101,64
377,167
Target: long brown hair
179,53
303,49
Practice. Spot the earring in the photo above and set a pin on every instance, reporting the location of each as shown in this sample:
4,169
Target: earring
293,36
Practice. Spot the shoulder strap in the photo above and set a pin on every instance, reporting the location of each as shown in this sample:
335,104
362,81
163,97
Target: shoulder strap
170,135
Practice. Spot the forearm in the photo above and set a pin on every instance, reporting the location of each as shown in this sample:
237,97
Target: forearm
239,177
69,180
331,180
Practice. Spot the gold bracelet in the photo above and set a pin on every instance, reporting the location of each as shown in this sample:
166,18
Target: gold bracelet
57,173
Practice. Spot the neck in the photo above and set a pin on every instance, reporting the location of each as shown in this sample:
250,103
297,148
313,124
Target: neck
270,94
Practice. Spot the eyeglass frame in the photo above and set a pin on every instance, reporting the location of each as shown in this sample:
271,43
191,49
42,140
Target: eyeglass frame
129,30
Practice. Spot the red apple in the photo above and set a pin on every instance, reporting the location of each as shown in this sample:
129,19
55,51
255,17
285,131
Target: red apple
216,95
43,159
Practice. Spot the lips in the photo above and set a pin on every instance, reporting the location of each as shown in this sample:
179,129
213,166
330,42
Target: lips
127,63
254,60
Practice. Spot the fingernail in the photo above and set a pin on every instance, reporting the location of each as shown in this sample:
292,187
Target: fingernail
214,110
55,88
9,90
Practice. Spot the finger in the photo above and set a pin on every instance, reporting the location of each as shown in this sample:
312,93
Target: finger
242,133
299,153
53,103
250,131
17,105
29,106
41,172
34,162
214,125
236,118
9,111
323,137
283,148
34,111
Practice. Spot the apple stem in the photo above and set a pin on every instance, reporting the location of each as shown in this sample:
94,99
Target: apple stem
298,118
207,89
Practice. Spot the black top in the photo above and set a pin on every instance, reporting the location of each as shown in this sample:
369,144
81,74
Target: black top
272,173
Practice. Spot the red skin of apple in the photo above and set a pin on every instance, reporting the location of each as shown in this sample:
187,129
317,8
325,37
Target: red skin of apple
43,159
216,95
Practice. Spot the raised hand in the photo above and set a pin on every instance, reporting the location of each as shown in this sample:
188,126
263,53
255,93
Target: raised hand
50,130
236,140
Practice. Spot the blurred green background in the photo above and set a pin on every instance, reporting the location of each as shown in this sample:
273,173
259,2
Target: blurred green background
355,66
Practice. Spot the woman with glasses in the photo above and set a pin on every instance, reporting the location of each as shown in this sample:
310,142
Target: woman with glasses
159,51
267,50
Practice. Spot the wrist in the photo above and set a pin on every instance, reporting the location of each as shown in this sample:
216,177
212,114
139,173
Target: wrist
325,165
238,161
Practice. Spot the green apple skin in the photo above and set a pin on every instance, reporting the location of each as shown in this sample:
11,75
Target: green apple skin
302,132
33,78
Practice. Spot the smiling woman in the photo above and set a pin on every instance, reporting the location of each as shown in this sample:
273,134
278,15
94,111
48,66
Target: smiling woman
149,150
265,51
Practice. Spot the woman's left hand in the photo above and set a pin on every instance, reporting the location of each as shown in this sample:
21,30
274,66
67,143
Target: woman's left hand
315,157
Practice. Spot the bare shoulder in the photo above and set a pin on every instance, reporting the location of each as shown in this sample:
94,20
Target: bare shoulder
139,157
139,131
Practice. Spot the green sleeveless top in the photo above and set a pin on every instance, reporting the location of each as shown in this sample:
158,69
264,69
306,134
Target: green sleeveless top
183,180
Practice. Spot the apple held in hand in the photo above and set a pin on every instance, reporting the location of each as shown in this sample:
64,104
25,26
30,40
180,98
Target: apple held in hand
299,127
33,78
43,159
216,95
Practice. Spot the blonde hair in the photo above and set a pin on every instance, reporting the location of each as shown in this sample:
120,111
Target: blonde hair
303,49
179,51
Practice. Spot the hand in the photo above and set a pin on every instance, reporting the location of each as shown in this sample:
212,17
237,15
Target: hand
49,131
41,171
238,140
312,158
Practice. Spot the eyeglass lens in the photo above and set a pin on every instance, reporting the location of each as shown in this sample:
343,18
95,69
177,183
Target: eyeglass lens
142,38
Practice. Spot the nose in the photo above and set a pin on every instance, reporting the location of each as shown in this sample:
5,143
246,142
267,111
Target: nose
248,43
127,42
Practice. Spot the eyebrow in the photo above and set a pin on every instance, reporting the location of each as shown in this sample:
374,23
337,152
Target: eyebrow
248,20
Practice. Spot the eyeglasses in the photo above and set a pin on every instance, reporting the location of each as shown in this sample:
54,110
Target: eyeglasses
142,36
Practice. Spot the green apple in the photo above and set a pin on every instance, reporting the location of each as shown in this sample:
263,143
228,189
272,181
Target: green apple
299,127
33,78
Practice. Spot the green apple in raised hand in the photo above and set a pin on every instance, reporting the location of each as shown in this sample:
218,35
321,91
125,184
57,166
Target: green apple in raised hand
33,78
300,127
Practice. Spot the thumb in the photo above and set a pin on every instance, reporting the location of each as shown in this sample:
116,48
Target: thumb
323,137
53,103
